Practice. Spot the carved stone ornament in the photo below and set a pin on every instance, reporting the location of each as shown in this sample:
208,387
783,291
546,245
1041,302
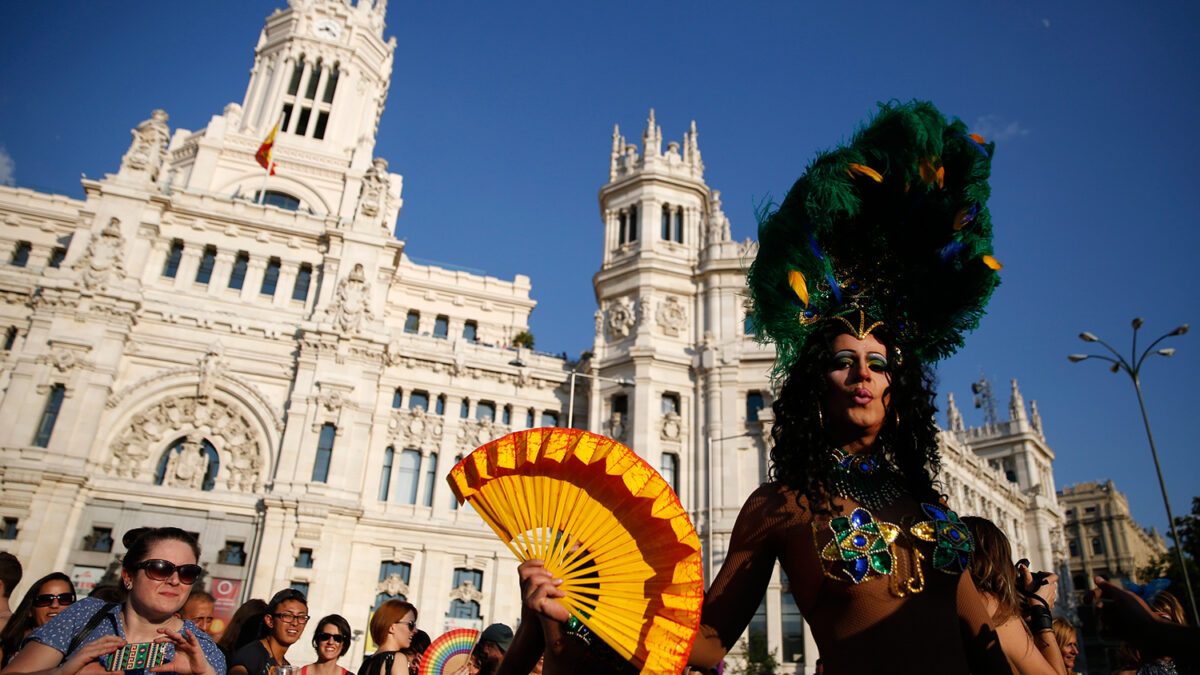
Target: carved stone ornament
393,353
149,142
466,592
621,321
393,585
372,201
211,368
137,449
103,257
599,317
187,467
671,427
352,303
416,429
333,400
672,316
474,433
617,426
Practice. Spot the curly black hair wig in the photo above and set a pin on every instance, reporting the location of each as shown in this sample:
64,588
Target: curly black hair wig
908,440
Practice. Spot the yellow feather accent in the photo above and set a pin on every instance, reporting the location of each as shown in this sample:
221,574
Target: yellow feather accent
796,281
863,170
992,262
977,138
930,175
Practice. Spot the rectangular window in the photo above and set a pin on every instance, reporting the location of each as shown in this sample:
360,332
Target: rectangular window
529,418
270,277
669,468
441,405
57,255
171,265
330,86
754,403
322,122
287,116
462,576
237,277
234,553
470,330
748,326
302,121
207,261
622,232
99,540
8,529
397,397
1097,546
1073,545
297,73
679,225
407,475
10,337
305,559
620,404
419,399
301,586
485,411
506,415
666,222
412,322
387,570
441,326
314,79
670,403
20,256
430,479
465,410
303,281
385,475
49,416
320,472
549,419
633,223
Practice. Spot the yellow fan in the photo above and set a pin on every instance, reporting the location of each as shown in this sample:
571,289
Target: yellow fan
604,522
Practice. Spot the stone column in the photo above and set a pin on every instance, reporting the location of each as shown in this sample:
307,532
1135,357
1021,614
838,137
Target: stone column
254,278
287,279
222,270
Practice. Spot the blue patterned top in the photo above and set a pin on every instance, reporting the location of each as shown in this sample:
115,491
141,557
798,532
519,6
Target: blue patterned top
57,634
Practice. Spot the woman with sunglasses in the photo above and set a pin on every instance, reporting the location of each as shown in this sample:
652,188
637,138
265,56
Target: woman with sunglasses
157,572
44,600
332,641
286,617
392,628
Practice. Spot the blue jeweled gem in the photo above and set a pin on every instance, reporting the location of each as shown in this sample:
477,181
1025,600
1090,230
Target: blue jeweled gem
955,535
860,540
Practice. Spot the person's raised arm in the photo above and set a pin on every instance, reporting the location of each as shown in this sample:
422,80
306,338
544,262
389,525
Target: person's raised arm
738,589
538,591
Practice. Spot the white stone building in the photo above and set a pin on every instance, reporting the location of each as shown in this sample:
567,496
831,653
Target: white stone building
256,359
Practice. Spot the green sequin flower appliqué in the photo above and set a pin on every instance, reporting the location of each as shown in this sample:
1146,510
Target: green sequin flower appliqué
952,540
861,547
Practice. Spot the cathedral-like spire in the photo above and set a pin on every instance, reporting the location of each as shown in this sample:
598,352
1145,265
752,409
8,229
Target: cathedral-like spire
1016,406
954,418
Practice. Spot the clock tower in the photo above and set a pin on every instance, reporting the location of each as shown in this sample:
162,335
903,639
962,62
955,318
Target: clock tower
321,72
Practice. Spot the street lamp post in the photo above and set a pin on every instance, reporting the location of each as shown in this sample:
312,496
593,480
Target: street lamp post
571,396
1118,364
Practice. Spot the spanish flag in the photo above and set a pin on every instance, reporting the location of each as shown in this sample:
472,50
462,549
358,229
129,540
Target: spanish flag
263,156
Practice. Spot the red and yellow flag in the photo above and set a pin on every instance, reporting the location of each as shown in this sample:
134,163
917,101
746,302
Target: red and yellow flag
263,156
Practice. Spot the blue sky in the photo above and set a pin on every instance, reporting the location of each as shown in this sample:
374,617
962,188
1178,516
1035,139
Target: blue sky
500,117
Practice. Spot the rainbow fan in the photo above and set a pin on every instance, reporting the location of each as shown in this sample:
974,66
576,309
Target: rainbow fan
448,652
606,523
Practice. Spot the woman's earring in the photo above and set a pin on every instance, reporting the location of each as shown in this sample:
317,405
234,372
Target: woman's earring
897,414
820,417
128,586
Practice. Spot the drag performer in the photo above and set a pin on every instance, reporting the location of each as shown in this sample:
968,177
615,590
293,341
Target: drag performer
875,264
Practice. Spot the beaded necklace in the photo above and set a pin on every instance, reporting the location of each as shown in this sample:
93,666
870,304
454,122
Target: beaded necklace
867,479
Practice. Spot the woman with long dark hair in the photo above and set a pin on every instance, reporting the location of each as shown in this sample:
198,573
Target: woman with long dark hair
43,601
872,268
158,571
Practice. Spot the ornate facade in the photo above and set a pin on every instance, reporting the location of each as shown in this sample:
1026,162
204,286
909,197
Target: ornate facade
1102,537
256,359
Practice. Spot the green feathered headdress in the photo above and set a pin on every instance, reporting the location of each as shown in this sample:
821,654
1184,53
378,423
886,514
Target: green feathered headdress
894,225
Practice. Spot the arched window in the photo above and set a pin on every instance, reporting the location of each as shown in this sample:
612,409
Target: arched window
666,222
679,225
412,322
270,277
237,276
441,326
207,260
397,397
470,330
171,264
406,477
440,408
1097,546
1073,545
419,399
549,418
185,461
389,568
279,199
485,411
303,280
20,256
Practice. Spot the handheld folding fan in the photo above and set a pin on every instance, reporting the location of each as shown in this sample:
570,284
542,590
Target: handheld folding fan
604,522
448,653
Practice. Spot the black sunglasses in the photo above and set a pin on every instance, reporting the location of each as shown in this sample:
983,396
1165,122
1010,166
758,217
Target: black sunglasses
47,599
336,637
161,570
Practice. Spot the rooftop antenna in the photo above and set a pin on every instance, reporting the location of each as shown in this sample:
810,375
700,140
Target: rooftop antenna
984,399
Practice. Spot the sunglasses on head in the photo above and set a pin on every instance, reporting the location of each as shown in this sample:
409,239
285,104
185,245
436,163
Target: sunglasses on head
336,637
161,570
47,599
